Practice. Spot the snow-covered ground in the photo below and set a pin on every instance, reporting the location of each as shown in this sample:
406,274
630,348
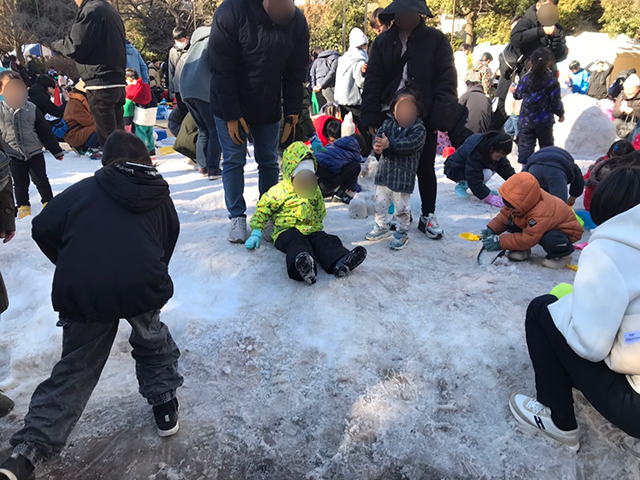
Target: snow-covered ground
402,370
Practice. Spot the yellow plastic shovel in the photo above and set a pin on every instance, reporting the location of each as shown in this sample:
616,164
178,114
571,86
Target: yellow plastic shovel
472,237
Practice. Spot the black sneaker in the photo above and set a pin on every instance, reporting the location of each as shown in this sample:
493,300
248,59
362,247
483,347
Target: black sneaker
6,404
166,416
17,468
342,196
215,174
350,261
306,267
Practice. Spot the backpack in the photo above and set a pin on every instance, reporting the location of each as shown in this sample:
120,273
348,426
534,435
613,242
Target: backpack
60,128
509,61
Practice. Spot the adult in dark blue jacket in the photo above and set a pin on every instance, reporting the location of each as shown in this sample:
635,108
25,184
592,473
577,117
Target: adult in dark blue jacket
259,52
473,164
339,165
555,168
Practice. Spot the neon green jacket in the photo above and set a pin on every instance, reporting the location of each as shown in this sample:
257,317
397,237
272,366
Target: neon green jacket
284,206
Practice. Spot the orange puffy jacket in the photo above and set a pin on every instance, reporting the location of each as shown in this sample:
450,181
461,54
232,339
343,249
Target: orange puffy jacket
535,211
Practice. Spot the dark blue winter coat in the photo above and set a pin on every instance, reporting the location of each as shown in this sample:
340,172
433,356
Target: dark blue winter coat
556,159
342,152
468,162
540,101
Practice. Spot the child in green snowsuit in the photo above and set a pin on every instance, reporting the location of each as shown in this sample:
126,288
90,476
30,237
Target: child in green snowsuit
296,207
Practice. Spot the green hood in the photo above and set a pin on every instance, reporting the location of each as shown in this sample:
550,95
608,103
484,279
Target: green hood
293,155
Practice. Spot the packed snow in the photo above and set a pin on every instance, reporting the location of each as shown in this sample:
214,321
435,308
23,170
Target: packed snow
402,370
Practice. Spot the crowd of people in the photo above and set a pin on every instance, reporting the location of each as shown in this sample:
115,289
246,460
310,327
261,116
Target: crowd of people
248,78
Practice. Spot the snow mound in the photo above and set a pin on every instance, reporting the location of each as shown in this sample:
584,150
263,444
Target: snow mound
587,131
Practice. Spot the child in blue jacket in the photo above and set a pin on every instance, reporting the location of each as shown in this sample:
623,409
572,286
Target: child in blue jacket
339,165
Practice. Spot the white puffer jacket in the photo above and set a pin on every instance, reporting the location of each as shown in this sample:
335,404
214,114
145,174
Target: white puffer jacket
601,319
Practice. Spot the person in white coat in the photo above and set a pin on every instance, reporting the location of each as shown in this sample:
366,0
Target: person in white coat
352,67
587,336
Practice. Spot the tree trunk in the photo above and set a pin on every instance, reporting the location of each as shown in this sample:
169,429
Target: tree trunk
468,29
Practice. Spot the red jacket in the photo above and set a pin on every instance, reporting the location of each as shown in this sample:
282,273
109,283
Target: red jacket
318,124
139,92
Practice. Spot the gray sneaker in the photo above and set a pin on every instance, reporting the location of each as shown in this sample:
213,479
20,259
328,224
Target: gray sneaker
238,230
378,233
268,232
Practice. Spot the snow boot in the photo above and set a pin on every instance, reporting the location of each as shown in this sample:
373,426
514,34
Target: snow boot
238,230
528,411
378,233
6,404
215,174
166,416
17,467
430,226
519,255
400,240
557,263
306,267
24,211
461,190
350,261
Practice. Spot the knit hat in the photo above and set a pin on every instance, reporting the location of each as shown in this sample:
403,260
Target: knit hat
473,76
632,81
357,38
304,165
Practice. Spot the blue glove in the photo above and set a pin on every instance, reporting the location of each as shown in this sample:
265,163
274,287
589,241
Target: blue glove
254,240
316,144
487,232
491,243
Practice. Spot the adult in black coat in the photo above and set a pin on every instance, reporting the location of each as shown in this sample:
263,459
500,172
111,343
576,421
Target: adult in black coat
426,65
537,28
259,52
40,95
97,44
598,79
473,164
555,168
473,114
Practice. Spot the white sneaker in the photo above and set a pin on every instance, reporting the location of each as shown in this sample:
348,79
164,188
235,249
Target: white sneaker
528,411
519,255
430,226
238,230
557,263
378,233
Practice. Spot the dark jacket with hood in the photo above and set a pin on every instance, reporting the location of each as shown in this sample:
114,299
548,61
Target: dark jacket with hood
526,37
431,71
342,152
468,162
111,237
473,115
97,44
255,63
323,70
598,81
562,162
39,96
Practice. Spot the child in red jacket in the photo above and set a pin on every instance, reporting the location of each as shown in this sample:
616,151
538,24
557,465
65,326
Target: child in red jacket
592,178
146,108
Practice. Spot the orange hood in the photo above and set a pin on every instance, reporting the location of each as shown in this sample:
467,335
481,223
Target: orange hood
522,191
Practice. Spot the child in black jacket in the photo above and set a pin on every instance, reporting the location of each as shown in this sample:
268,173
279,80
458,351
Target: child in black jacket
555,168
111,237
24,147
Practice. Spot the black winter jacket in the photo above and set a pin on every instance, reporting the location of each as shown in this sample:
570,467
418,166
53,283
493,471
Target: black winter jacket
255,63
431,72
598,82
39,96
473,115
527,36
469,161
97,44
111,237
559,158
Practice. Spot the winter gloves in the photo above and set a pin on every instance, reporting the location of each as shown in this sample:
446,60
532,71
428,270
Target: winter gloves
253,241
289,129
561,290
487,232
494,200
234,130
491,243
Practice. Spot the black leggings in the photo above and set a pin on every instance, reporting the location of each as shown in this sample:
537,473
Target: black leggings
427,180
35,168
558,369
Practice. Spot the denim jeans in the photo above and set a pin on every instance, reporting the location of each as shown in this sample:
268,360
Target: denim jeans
58,402
208,146
265,141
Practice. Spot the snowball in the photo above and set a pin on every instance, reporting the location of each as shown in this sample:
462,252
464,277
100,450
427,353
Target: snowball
586,131
358,208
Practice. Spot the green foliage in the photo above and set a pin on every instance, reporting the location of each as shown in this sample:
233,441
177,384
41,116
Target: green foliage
621,16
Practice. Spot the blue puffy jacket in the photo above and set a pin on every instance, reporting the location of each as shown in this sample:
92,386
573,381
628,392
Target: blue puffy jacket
342,152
